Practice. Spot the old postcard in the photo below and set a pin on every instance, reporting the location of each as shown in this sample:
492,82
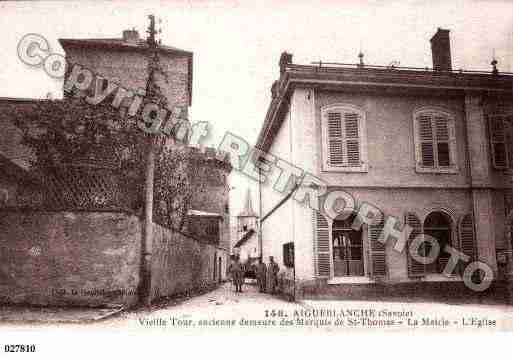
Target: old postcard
302,168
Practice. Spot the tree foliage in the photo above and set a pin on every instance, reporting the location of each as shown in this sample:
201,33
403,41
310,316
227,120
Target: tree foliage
73,132
173,188
67,131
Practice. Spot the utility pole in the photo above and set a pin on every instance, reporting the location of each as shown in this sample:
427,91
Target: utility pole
152,95
509,246
260,242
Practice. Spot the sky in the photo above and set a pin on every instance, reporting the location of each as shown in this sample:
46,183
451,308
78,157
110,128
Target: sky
237,45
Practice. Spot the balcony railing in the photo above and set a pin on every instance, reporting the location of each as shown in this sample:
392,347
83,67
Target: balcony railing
334,66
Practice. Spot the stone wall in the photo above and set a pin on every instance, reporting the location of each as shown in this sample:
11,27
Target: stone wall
94,259
65,258
180,265
129,69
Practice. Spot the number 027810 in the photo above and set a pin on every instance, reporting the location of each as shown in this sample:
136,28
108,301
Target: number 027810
19,348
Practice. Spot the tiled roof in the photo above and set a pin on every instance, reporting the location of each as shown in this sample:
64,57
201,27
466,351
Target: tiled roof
244,238
121,44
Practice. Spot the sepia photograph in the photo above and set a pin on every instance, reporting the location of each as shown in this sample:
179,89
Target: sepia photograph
254,169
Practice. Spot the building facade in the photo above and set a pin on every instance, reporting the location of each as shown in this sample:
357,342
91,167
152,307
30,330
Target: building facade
429,147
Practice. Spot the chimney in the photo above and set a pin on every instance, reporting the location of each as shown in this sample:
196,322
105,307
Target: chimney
131,36
441,50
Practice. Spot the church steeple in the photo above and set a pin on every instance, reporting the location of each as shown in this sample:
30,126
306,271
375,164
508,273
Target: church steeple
248,206
247,220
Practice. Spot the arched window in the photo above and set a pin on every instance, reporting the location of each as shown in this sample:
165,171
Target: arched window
435,141
343,139
439,226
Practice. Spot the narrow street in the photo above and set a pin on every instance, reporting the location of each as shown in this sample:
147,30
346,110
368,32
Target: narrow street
223,309
222,304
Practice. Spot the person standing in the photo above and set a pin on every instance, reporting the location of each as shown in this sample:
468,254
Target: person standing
261,273
272,273
237,272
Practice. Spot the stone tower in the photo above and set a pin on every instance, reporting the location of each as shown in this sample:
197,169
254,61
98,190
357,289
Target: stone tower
125,61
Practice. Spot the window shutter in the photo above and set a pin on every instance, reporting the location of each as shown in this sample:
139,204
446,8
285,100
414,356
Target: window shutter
498,142
322,245
442,141
377,251
335,140
415,269
467,239
451,125
508,128
352,138
426,141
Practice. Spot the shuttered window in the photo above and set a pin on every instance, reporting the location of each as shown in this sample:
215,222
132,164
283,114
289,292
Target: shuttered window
467,240
415,269
343,139
435,141
321,245
501,140
377,251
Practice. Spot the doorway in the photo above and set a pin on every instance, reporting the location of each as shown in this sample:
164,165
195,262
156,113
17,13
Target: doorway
347,249
215,266
219,267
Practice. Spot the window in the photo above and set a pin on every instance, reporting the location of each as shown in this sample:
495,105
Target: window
347,245
104,84
435,141
344,139
501,140
439,226
212,231
288,254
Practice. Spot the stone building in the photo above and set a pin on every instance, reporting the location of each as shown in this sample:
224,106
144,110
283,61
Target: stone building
430,147
210,204
125,62
90,257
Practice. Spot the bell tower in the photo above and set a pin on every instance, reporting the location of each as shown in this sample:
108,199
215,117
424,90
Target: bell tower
247,219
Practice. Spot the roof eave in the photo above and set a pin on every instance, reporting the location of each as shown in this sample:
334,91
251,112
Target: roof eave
121,46
290,79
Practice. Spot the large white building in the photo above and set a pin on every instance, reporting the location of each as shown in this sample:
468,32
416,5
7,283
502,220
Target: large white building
431,147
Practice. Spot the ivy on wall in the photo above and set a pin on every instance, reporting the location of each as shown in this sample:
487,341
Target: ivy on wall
173,189
71,130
